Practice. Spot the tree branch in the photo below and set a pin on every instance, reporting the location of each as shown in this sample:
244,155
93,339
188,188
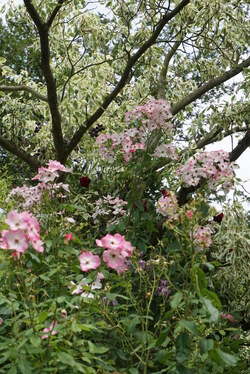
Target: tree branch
125,75
43,30
24,88
196,94
162,78
54,13
243,144
21,154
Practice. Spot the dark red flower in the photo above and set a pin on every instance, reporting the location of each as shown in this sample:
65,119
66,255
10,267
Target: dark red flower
218,218
85,181
164,192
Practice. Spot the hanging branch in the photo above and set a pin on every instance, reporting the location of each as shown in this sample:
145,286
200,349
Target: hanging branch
26,157
24,88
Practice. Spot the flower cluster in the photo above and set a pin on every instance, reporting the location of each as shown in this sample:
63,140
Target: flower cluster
128,141
78,289
213,166
46,176
23,229
115,255
153,115
50,173
166,151
109,206
163,289
28,195
202,237
167,205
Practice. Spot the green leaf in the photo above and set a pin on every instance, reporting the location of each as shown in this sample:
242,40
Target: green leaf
43,316
176,299
198,279
66,359
75,327
227,358
206,345
35,341
212,312
182,347
214,355
25,366
190,326
97,348
163,339
212,297
181,369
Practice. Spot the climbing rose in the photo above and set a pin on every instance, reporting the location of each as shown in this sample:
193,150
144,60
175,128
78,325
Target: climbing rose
111,241
218,218
114,260
89,261
85,181
68,237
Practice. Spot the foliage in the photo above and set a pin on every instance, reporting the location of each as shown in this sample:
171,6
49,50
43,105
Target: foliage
130,268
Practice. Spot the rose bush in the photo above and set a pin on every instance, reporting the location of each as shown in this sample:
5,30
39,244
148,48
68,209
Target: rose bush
143,298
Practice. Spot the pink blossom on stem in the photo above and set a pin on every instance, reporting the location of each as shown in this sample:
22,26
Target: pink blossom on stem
88,261
202,237
15,240
114,260
50,329
111,241
68,237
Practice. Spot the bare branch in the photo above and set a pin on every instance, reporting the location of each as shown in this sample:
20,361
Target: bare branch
21,154
196,94
125,75
24,88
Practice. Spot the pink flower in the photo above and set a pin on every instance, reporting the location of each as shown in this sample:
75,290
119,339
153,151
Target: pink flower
202,237
229,317
50,329
96,285
16,240
68,237
37,244
78,289
17,220
111,241
56,165
45,175
33,229
127,249
189,214
1,321
114,260
89,261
